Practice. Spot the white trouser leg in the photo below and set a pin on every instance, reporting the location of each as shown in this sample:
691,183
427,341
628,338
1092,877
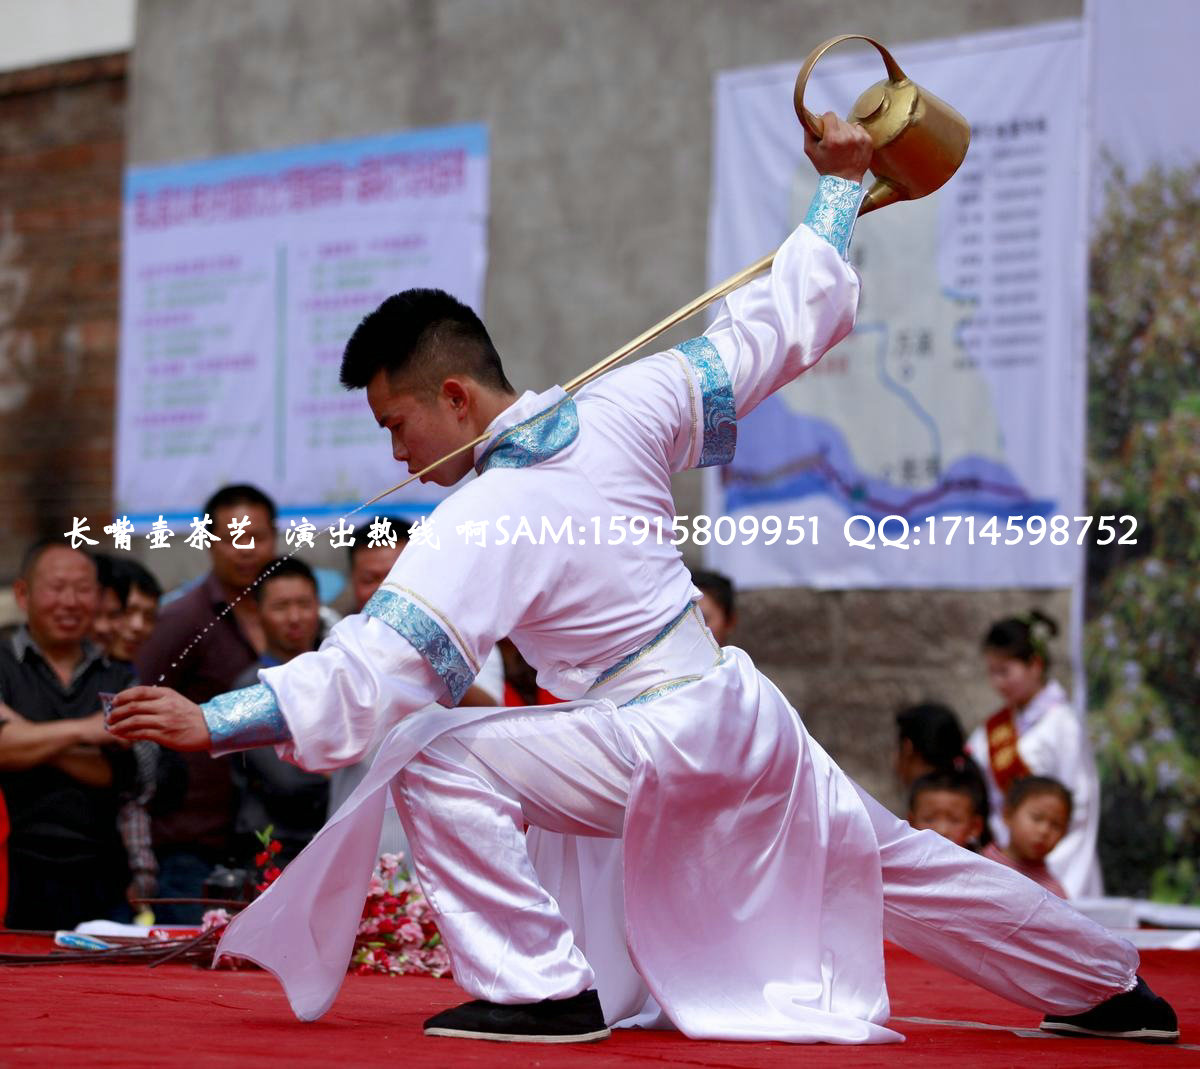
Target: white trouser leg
463,802
991,925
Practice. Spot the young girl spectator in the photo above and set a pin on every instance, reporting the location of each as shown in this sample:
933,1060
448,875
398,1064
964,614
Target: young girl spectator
1038,733
1037,812
950,804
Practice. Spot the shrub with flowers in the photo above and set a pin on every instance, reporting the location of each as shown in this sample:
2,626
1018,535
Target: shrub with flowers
1142,641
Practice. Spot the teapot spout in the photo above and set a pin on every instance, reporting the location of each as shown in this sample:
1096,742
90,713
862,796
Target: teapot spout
881,194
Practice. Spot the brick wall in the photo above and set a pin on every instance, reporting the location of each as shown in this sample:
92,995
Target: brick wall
62,148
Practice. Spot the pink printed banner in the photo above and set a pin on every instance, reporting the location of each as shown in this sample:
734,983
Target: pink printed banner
242,279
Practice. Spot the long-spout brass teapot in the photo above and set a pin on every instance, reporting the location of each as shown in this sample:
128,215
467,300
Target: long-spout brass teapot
919,140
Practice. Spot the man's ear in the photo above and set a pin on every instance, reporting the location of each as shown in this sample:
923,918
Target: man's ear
21,593
457,394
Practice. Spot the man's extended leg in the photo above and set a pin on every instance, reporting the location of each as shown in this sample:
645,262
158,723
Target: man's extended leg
991,925
464,802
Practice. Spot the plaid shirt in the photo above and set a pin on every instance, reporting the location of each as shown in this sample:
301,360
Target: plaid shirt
133,822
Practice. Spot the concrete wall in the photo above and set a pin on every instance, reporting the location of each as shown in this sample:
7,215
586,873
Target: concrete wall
600,116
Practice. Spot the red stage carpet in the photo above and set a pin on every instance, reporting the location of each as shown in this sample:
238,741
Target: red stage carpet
131,1016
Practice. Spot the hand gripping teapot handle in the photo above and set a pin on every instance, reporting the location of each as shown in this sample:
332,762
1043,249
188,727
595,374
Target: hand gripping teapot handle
812,122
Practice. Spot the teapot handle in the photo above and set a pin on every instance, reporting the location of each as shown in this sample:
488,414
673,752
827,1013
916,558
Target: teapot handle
813,123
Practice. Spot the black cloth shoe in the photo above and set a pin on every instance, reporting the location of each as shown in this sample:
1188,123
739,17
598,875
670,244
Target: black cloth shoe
578,1019
1138,1014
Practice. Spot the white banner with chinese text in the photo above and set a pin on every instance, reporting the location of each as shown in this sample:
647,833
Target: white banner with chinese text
243,278
951,420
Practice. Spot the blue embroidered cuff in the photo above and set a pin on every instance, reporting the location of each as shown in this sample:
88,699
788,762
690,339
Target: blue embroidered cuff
427,637
834,209
245,718
720,414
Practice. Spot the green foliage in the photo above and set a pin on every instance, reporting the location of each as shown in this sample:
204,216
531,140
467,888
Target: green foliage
1142,642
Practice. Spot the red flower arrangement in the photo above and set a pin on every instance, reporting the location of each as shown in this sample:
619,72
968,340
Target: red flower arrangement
396,935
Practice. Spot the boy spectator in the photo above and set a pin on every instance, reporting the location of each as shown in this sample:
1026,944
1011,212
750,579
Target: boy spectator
194,810
108,605
950,803
139,593
272,792
59,772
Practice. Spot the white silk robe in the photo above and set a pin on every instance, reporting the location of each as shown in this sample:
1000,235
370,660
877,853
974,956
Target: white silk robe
744,898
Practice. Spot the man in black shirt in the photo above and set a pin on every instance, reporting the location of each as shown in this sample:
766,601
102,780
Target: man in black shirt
196,802
60,771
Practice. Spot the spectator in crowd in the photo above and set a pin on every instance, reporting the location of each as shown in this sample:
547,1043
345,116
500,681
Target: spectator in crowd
949,803
60,774
369,567
1037,732
272,792
931,739
1037,813
200,649
139,593
108,605
372,558
716,603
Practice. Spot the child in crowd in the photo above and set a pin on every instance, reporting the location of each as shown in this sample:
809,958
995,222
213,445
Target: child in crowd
1037,813
931,740
1038,733
949,803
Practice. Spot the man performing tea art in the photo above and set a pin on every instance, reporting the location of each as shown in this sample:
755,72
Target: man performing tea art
672,764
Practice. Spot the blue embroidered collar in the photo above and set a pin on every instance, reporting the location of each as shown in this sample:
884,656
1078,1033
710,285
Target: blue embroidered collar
533,429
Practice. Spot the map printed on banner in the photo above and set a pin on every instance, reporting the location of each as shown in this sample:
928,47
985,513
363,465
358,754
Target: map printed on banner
242,280
959,394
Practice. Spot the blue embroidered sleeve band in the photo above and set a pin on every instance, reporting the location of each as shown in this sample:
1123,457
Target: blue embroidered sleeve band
245,718
426,636
535,439
719,414
834,209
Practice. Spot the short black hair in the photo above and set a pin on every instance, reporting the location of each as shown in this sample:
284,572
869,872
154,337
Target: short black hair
36,551
934,731
283,568
130,575
239,494
107,567
1030,787
718,587
425,333
122,574
362,533
1022,637
963,783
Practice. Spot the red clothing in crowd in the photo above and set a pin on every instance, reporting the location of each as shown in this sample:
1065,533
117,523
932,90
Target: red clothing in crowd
1038,873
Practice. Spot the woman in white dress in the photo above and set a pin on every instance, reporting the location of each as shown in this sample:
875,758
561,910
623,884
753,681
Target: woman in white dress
1038,733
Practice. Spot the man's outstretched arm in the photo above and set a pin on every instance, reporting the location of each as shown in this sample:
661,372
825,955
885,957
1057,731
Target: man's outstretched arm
777,326
322,709
681,407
